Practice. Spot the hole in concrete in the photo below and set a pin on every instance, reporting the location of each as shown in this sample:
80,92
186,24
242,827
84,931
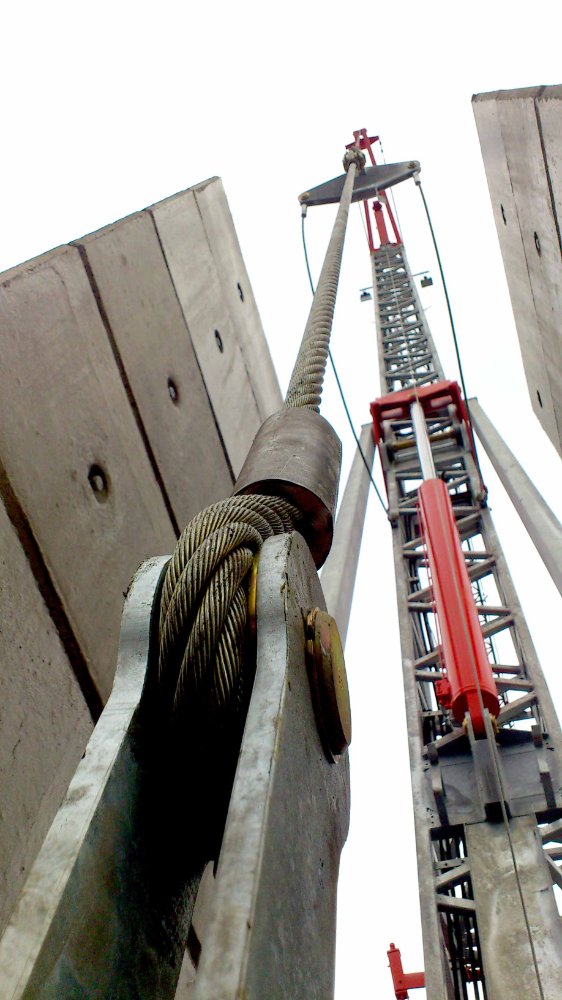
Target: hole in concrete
218,339
539,398
537,243
503,215
240,292
99,482
173,391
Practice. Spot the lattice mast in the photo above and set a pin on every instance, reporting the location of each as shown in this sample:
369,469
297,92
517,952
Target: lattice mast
484,739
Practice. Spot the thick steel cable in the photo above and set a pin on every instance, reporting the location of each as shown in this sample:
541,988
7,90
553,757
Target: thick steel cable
339,385
305,387
203,610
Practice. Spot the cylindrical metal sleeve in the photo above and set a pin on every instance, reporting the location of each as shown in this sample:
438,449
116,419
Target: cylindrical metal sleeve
297,454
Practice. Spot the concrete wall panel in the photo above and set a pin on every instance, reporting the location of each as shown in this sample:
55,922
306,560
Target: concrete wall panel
148,329
236,288
549,112
63,411
529,180
206,313
44,722
90,336
510,132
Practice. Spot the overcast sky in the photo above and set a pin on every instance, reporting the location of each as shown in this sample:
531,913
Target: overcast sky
110,107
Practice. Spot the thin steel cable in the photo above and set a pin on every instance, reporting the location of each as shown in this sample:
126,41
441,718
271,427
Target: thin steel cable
203,609
339,385
452,322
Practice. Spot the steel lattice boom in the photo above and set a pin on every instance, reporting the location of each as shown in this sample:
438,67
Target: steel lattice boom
483,735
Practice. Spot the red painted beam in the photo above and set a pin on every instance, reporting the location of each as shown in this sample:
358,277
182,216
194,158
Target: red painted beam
403,981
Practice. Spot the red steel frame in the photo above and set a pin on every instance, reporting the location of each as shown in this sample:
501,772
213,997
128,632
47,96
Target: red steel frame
403,981
365,142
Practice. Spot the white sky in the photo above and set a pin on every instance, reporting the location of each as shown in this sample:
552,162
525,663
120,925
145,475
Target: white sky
110,107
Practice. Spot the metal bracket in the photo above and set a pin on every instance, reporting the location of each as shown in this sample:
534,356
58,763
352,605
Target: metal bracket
367,184
272,923
107,906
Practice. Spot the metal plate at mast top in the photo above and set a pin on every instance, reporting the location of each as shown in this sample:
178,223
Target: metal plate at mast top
367,184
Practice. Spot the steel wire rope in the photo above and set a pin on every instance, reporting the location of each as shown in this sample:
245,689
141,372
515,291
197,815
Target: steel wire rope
203,608
338,382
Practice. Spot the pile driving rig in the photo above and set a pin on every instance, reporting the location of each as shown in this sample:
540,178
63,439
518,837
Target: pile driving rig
212,803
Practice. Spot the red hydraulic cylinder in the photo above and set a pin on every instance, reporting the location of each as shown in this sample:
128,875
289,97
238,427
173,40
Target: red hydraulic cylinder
464,653
381,224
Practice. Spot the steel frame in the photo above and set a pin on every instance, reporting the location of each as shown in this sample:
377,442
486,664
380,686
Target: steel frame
464,789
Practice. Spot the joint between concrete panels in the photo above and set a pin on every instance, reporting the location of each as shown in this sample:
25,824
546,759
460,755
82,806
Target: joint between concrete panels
127,385
546,170
51,597
207,394
242,354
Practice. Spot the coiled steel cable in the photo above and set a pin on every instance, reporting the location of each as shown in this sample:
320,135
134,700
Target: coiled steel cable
203,611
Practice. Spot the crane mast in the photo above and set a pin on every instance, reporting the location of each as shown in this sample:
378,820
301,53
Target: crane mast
484,739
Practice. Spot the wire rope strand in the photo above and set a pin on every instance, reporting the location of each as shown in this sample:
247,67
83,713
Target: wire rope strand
307,379
339,385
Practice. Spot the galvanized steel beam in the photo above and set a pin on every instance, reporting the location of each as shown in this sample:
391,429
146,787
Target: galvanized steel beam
271,930
339,572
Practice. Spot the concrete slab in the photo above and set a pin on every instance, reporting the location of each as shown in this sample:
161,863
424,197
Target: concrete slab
44,721
154,350
207,315
72,450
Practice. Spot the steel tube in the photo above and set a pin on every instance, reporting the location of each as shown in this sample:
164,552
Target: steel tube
338,575
422,441
543,527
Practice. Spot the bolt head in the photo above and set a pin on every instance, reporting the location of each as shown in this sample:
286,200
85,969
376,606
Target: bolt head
328,681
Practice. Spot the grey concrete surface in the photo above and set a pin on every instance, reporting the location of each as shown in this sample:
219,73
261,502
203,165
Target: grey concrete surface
521,141
63,409
44,721
153,344
207,316
237,291
90,335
